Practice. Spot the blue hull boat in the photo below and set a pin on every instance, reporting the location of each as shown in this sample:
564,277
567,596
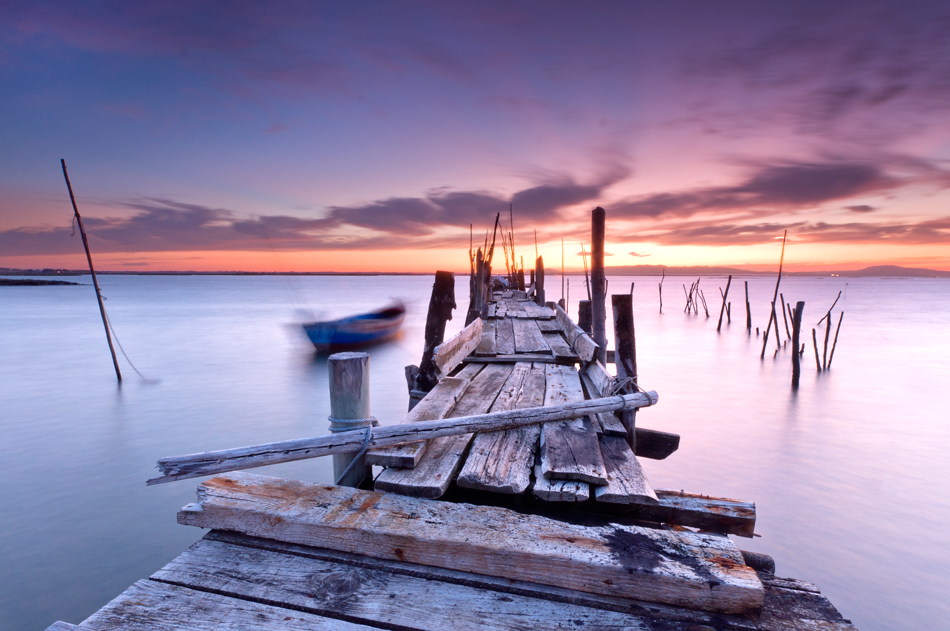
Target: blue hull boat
358,330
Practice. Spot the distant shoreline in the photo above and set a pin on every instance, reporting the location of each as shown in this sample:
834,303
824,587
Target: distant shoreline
877,271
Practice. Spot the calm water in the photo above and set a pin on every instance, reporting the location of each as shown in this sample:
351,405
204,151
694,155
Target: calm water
849,475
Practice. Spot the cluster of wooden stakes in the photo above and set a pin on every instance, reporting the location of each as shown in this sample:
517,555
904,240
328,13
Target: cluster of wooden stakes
695,299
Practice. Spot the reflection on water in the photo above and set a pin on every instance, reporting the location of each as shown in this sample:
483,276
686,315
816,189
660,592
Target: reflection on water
848,474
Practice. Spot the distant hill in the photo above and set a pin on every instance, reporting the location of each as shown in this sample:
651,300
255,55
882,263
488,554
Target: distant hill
895,271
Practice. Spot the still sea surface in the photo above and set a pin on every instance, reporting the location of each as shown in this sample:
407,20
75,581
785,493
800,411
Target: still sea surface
850,474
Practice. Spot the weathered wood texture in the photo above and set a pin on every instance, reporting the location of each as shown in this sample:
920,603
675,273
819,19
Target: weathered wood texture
524,357
504,336
681,568
580,342
598,282
210,462
528,338
441,304
156,606
375,594
626,483
436,404
486,346
349,409
717,514
569,451
438,466
502,461
558,345
59,625
450,354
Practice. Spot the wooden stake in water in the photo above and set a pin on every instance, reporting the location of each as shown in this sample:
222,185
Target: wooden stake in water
748,310
723,309
95,281
835,343
796,335
788,335
662,278
781,261
814,341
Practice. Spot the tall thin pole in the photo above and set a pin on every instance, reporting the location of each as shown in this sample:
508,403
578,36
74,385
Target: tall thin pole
95,281
562,271
772,317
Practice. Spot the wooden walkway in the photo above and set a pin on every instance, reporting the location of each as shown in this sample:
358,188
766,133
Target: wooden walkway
550,526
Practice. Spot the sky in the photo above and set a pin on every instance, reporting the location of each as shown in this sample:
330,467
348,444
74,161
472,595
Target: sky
365,136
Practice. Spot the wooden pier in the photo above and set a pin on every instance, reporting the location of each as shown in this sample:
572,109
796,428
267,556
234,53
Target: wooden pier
526,507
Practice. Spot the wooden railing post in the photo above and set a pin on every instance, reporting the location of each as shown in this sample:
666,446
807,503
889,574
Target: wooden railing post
598,219
349,409
626,357
583,315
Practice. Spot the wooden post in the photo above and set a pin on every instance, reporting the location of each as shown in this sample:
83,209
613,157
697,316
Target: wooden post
723,309
788,335
583,315
95,281
662,278
796,336
824,363
625,357
835,343
814,341
748,309
521,286
598,307
781,261
349,409
441,305
539,281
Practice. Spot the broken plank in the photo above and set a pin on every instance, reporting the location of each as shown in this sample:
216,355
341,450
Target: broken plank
450,354
687,569
569,451
626,483
437,467
548,326
487,344
559,490
501,461
559,347
436,404
716,514
504,337
528,338
155,606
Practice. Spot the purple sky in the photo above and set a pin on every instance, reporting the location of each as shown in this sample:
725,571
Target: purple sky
361,136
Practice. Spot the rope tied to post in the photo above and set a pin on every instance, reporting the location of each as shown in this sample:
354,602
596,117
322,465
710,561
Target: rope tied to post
366,443
347,424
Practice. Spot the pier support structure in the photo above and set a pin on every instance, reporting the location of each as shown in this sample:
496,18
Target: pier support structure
598,281
349,409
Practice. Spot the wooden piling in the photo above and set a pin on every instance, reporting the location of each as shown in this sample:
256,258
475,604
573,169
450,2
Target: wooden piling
796,335
583,315
598,218
814,341
92,271
748,310
781,261
539,281
349,409
824,363
788,334
723,309
626,357
835,343
662,278
441,304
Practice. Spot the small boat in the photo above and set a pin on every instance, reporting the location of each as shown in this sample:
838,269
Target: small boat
356,330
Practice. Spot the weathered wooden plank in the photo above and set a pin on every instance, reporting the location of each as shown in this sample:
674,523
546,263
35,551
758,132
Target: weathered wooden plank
626,483
516,309
504,337
59,625
655,444
437,467
450,354
156,606
436,404
792,609
501,461
559,347
370,595
686,569
500,586
546,312
558,490
549,325
528,337
210,462
580,342
569,451
486,345
523,357
490,310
